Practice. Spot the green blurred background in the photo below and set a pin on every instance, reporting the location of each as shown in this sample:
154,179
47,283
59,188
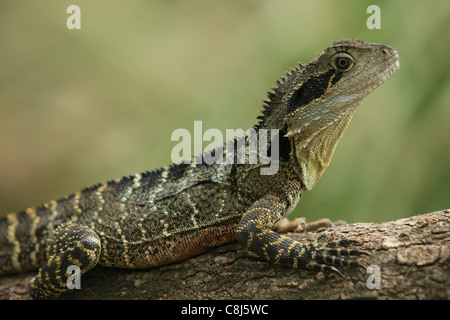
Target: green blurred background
82,106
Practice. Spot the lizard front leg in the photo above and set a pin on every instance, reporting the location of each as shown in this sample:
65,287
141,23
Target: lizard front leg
71,244
254,231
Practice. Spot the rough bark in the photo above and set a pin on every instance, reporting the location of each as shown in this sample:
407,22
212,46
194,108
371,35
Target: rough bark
413,255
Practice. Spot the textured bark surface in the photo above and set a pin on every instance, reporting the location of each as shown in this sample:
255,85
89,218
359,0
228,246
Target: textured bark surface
413,256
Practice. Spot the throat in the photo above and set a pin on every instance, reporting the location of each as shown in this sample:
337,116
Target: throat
312,150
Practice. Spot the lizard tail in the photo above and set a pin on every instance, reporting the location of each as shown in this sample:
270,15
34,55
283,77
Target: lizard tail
20,243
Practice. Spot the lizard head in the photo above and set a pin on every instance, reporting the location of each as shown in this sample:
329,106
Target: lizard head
334,83
315,102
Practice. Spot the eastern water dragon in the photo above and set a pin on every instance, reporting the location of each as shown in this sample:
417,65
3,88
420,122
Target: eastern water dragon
173,213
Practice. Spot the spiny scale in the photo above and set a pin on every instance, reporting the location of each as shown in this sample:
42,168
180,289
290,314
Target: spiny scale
173,213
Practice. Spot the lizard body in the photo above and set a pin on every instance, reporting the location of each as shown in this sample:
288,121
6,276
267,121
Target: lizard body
173,213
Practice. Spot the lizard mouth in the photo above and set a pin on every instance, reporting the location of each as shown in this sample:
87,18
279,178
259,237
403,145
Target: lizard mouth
393,64
379,74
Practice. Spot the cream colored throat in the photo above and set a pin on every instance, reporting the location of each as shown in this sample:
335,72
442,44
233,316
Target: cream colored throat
313,151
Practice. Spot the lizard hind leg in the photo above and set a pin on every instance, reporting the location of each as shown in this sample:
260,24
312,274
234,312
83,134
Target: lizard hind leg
70,245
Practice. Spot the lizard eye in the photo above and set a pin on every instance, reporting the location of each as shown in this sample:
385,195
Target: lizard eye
342,61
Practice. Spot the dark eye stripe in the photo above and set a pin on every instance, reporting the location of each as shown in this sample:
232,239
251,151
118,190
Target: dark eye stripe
336,78
313,89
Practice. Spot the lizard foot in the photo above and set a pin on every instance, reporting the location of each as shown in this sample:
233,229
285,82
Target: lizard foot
70,246
328,253
300,225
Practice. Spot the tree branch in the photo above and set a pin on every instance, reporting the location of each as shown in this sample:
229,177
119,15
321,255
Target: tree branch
412,255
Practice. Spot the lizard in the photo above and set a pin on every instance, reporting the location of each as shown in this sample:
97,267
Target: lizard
172,213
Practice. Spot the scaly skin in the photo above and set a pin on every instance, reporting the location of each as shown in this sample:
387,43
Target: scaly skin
173,213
